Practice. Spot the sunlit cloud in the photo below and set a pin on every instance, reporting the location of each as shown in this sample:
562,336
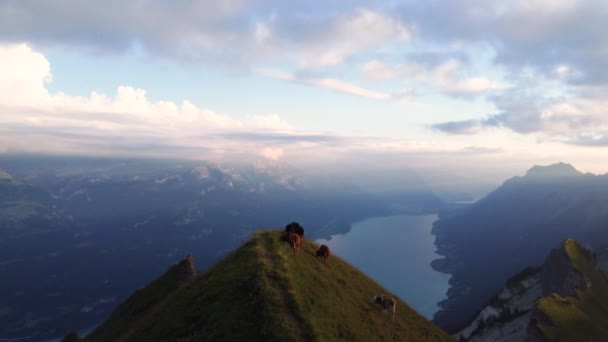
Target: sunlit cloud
423,76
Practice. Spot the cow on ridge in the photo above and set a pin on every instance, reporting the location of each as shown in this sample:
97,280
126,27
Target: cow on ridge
294,241
387,303
324,253
295,227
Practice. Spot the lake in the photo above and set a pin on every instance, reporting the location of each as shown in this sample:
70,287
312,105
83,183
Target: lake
396,251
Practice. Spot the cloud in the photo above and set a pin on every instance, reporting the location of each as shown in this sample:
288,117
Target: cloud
272,153
33,118
448,77
326,41
378,70
579,121
283,138
459,127
235,33
589,139
347,88
541,34
482,150
468,86
337,85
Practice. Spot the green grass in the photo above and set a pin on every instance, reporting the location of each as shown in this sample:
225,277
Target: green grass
584,318
263,292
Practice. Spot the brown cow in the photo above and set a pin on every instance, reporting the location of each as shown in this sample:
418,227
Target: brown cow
294,227
388,304
324,252
294,241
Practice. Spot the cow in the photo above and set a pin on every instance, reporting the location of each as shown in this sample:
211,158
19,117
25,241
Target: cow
294,241
294,227
324,252
387,303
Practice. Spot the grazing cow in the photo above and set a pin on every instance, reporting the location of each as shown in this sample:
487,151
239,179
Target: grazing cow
294,227
324,252
294,241
388,304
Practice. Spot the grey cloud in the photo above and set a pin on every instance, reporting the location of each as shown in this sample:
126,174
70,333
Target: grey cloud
482,150
277,139
526,115
281,137
432,59
543,36
591,140
211,31
458,127
518,115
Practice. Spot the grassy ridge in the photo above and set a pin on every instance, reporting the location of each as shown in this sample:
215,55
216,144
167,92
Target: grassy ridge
262,291
583,318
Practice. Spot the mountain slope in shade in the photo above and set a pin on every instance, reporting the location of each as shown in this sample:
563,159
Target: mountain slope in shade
262,291
22,206
515,226
566,299
552,172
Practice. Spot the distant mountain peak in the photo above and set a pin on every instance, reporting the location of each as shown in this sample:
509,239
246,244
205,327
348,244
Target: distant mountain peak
558,170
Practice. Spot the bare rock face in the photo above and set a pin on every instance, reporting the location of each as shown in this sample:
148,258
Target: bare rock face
559,275
512,316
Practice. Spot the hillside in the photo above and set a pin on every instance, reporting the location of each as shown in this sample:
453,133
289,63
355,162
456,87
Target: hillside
566,299
515,226
262,291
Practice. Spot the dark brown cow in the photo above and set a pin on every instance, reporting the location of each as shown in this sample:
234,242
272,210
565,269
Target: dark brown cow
294,227
294,241
324,252
387,303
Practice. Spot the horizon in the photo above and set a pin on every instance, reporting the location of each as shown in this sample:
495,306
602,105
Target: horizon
244,81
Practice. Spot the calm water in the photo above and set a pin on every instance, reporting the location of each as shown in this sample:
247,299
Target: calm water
396,251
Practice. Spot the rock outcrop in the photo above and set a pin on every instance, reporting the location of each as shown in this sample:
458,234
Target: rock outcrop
186,266
514,314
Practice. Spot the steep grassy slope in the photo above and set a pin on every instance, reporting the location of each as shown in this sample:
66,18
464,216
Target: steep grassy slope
262,291
580,318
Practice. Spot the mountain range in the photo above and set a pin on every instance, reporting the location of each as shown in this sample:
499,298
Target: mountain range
89,231
514,227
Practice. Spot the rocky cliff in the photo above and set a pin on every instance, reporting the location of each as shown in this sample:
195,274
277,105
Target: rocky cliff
540,304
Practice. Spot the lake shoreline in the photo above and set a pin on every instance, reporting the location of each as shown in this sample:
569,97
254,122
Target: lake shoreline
411,251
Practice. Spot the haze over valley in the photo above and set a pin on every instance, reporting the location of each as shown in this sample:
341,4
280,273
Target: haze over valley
406,170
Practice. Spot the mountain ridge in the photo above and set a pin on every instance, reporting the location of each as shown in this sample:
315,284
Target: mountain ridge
262,291
514,226
555,170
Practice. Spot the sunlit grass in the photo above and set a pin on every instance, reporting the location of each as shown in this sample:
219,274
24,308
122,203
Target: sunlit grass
262,291
583,318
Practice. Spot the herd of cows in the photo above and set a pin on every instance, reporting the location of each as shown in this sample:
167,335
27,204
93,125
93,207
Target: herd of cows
294,233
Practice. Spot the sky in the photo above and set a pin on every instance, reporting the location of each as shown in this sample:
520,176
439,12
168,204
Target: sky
482,88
